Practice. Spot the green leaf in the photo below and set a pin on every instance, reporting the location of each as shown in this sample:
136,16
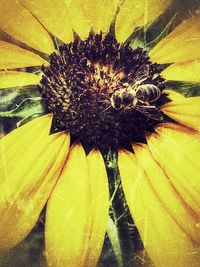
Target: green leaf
11,97
18,105
152,33
187,89
26,108
161,35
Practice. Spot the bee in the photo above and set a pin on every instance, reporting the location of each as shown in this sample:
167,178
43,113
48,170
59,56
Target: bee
138,97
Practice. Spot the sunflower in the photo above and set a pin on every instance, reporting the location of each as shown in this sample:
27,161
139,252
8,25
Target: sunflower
92,81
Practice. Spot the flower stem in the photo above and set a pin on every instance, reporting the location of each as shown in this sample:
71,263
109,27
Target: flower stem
120,237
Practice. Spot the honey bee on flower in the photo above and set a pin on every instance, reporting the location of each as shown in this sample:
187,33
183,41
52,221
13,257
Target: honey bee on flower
94,135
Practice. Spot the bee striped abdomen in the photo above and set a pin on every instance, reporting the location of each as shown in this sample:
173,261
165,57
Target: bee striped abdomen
148,93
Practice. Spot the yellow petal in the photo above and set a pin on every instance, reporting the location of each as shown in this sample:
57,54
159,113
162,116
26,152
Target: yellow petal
173,96
12,56
181,45
137,13
65,16
187,71
100,205
163,239
53,15
184,172
186,111
99,13
18,22
80,20
57,17
76,212
32,161
165,191
17,79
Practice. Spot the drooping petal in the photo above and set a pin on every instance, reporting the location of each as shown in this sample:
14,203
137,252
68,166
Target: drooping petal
187,71
17,79
31,163
19,23
137,13
77,211
186,111
183,168
60,17
161,184
181,45
164,240
100,205
12,56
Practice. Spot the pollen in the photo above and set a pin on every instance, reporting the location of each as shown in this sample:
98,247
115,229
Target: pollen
80,83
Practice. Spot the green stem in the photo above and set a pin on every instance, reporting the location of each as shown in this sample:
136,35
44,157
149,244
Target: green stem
120,236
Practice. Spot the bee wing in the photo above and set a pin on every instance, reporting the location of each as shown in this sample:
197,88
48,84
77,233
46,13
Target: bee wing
142,73
150,112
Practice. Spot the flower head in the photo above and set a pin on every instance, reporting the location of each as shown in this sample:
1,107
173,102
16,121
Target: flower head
99,87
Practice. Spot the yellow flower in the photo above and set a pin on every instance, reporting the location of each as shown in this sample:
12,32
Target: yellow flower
160,179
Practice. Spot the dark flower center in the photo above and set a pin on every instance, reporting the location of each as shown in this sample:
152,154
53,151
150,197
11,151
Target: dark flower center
103,92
